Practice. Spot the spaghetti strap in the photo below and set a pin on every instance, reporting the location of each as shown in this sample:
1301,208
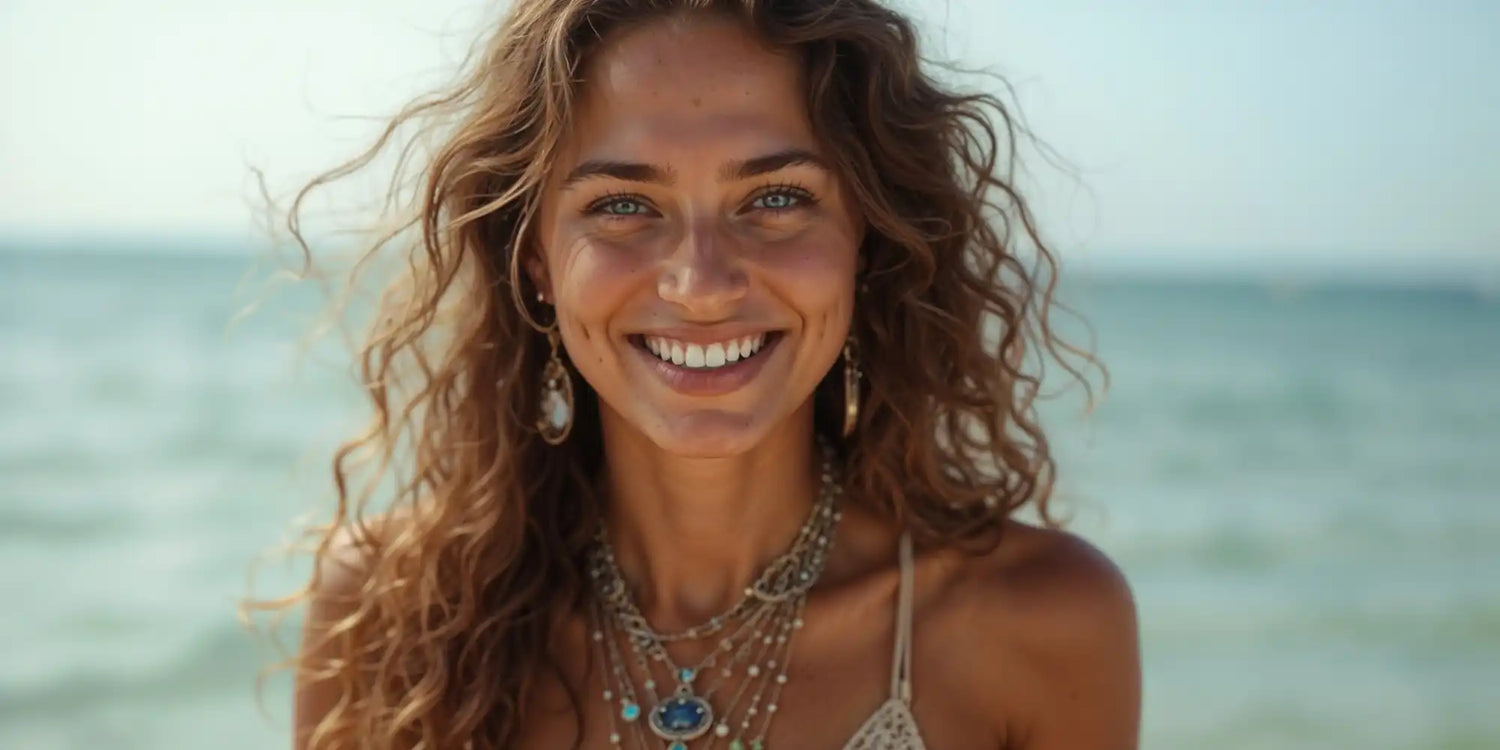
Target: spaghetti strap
893,726
901,658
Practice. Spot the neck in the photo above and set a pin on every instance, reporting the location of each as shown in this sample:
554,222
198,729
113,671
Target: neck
689,534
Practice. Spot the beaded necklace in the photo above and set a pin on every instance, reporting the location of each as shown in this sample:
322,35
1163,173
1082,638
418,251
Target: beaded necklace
757,633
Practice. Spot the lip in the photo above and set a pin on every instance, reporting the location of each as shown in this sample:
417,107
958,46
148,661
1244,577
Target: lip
704,336
701,382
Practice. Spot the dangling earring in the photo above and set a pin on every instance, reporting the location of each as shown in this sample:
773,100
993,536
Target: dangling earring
556,418
851,385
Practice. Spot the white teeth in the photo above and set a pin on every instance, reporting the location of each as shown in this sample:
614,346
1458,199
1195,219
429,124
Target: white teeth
713,356
704,356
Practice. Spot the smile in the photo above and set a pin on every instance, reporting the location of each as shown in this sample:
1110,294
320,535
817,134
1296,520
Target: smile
698,356
704,367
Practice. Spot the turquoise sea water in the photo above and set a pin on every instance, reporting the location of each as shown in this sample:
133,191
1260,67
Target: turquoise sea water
1300,484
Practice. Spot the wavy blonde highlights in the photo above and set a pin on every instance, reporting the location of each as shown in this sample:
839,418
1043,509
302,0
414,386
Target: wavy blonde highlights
451,623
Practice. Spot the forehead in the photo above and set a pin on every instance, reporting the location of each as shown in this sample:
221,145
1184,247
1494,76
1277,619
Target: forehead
682,84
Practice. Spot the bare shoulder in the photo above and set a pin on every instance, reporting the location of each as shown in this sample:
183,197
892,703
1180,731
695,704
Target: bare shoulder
1054,579
335,593
344,563
340,571
1049,620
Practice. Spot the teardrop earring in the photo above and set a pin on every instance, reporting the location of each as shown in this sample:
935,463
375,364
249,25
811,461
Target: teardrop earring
556,404
851,384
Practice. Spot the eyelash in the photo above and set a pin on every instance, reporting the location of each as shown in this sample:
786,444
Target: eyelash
803,195
599,207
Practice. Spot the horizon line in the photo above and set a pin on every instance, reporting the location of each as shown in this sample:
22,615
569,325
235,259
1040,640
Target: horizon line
1467,267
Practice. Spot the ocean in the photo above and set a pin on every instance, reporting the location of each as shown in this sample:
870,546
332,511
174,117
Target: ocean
1300,482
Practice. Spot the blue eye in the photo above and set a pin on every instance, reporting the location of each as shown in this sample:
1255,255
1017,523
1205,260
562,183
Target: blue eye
623,207
779,201
620,206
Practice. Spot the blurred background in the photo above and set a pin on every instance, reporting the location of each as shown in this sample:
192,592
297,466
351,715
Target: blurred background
1279,216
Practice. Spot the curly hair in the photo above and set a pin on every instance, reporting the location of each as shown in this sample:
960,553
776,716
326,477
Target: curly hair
456,605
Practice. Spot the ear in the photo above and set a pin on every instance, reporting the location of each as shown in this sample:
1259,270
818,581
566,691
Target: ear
536,270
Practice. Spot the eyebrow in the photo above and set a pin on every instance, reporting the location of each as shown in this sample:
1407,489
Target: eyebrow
619,170
771,162
640,172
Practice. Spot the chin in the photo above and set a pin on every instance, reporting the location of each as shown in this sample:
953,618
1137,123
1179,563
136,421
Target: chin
708,434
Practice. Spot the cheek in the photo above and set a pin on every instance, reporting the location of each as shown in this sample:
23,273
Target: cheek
816,271
592,281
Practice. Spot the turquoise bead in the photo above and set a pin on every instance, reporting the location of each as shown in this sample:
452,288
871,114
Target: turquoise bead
677,746
687,675
630,712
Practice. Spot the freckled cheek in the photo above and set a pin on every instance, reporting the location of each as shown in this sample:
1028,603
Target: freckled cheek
817,271
595,282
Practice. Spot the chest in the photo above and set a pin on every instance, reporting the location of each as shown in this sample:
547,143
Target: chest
838,678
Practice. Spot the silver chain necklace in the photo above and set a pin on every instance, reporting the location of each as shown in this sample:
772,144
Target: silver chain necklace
764,619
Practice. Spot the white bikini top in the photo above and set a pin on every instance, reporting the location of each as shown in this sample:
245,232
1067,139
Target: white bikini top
892,726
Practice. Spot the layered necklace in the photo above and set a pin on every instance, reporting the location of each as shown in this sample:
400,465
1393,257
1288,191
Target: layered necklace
755,639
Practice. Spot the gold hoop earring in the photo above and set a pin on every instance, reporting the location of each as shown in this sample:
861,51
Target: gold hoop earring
851,384
556,418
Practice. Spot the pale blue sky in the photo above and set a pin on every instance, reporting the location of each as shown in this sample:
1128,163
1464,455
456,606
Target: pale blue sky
1335,132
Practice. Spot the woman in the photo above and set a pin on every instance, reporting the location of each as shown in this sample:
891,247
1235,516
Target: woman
717,413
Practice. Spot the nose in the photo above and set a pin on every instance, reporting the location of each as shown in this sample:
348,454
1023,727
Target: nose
704,275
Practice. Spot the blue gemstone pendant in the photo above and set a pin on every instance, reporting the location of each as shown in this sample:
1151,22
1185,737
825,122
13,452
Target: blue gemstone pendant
682,717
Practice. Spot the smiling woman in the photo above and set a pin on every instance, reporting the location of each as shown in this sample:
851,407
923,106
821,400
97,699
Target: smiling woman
699,211
718,438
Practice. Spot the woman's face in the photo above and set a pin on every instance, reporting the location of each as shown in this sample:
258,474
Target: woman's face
696,243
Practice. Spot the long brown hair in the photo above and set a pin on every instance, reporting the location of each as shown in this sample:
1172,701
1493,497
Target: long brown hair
458,600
